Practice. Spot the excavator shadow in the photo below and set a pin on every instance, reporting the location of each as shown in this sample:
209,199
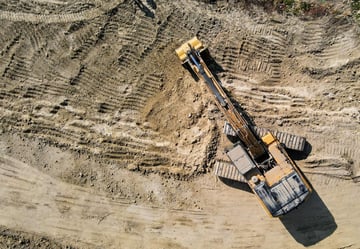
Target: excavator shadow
193,74
300,155
308,224
236,184
214,67
311,222
145,9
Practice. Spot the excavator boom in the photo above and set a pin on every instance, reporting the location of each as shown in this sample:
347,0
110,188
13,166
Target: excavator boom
237,121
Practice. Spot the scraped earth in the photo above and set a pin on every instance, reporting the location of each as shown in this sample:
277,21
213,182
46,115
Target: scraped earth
106,141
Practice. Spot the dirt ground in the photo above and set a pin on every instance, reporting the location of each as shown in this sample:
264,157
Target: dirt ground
106,141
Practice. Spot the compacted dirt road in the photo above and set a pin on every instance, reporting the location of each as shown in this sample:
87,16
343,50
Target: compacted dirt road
106,141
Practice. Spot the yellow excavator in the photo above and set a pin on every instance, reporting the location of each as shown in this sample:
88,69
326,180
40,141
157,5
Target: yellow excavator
258,158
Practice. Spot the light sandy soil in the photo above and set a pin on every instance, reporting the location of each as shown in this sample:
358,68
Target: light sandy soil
107,142
205,214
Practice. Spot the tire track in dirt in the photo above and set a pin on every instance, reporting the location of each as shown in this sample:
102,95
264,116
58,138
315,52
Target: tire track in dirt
272,97
171,22
84,41
260,50
336,158
57,18
344,158
314,32
145,89
340,47
143,37
59,207
24,63
50,6
88,82
91,82
345,147
40,204
111,99
20,68
272,106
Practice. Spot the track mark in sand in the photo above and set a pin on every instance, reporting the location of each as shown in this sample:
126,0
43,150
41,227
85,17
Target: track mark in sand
345,147
313,33
209,28
35,36
259,50
20,68
58,18
338,160
93,93
340,47
81,214
263,96
84,38
10,44
143,37
332,169
145,89
165,31
346,42
98,82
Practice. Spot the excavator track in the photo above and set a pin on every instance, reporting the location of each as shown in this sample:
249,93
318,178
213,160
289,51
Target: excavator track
290,141
228,171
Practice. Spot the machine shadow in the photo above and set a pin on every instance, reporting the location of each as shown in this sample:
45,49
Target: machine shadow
308,224
152,4
311,222
214,67
145,9
300,155
236,184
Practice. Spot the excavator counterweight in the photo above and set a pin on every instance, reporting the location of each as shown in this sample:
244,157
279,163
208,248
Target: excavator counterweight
261,162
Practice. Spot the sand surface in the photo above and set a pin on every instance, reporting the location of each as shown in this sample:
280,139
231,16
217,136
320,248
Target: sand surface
106,141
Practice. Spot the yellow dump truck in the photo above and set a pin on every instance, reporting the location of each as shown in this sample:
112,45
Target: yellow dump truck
260,161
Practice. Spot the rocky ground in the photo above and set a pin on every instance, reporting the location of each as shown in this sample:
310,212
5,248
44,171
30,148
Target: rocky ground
106,141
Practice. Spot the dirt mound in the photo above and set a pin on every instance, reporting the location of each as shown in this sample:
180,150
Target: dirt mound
18,240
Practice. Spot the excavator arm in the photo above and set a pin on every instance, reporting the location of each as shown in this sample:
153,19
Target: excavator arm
190,53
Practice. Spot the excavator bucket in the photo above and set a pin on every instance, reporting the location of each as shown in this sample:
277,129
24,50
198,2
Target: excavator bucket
184,48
